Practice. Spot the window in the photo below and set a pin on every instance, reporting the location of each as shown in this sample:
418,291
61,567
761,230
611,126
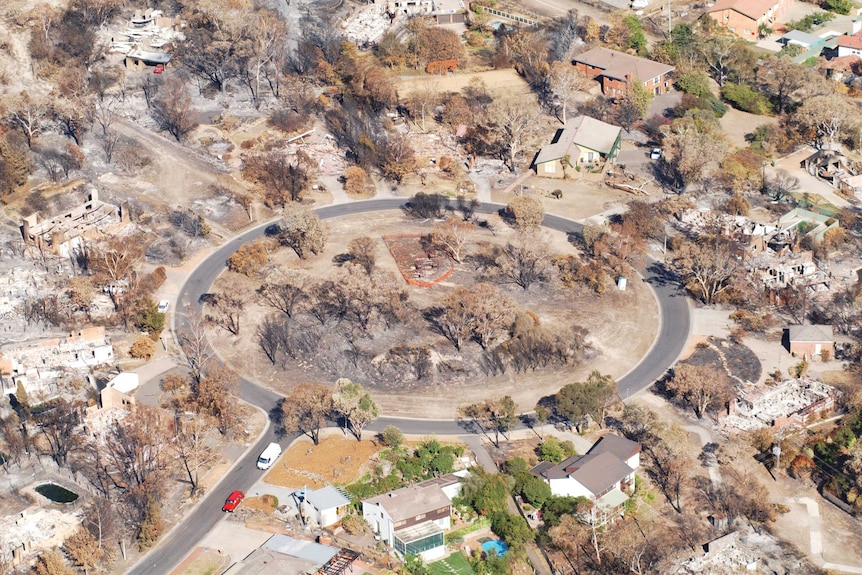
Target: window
420,517
732,29
550,167
656,80
747,32
645,84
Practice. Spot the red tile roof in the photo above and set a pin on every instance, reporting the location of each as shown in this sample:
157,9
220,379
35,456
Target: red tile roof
854,41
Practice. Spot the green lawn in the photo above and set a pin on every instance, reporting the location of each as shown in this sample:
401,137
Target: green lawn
455,564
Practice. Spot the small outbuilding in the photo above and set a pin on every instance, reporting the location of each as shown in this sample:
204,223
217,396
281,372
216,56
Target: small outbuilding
811,341
325,506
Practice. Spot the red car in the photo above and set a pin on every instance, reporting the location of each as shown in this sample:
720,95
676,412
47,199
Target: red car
233,500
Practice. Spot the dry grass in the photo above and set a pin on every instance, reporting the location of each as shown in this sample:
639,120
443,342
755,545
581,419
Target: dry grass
335,460
264,503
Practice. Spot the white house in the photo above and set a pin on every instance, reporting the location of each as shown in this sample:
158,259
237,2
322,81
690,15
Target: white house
605,474
412,520
325,506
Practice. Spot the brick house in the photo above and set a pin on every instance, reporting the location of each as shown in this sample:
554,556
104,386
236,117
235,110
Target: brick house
811,341
745,17
616,70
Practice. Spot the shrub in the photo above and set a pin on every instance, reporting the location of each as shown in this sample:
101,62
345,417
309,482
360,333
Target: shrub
355,180
249,258
838,6
143,348
743,97
392,436
149,318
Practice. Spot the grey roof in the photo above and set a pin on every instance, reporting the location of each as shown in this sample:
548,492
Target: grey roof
149,56
307,550
585,132
620,446
408,502
598,473
801,37
327,498
603,466
265,562
620,65
810,333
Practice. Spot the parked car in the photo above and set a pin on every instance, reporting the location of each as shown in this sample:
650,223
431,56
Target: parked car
163,306
233,500
655,154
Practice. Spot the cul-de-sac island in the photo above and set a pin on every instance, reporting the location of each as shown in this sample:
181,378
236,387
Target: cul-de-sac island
430,287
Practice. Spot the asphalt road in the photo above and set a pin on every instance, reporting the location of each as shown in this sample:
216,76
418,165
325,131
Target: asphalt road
673,334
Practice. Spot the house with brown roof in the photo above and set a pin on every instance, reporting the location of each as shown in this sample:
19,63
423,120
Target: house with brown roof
811,341
413,519
851,44
605,475
745,17
584,140
617,71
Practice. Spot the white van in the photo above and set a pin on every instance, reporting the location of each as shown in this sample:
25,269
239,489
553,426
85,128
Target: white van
269,455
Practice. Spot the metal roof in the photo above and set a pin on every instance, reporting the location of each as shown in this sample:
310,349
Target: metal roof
585,132
308,550
327,498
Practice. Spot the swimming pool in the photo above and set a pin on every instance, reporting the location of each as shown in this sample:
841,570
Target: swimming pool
497,545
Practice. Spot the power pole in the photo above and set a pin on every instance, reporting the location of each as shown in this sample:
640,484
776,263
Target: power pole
669,16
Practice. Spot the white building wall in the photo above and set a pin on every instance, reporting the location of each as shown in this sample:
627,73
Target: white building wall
379,520
634,461
567,486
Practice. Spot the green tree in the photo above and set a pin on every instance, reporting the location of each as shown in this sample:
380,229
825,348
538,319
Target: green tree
554,450
355,405
632,106
556,507
695,83
150,319
536,491
486,493
592,397
637,38
414,565
513,529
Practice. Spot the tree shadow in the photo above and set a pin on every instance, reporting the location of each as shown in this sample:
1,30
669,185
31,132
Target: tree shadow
276,416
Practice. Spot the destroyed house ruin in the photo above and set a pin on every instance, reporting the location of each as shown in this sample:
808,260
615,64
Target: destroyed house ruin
63,234
793,402
38,366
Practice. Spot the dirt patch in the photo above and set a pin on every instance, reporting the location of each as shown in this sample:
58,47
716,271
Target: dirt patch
420,264
737,124
579,198
203,562
335,460
265,503
497,82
